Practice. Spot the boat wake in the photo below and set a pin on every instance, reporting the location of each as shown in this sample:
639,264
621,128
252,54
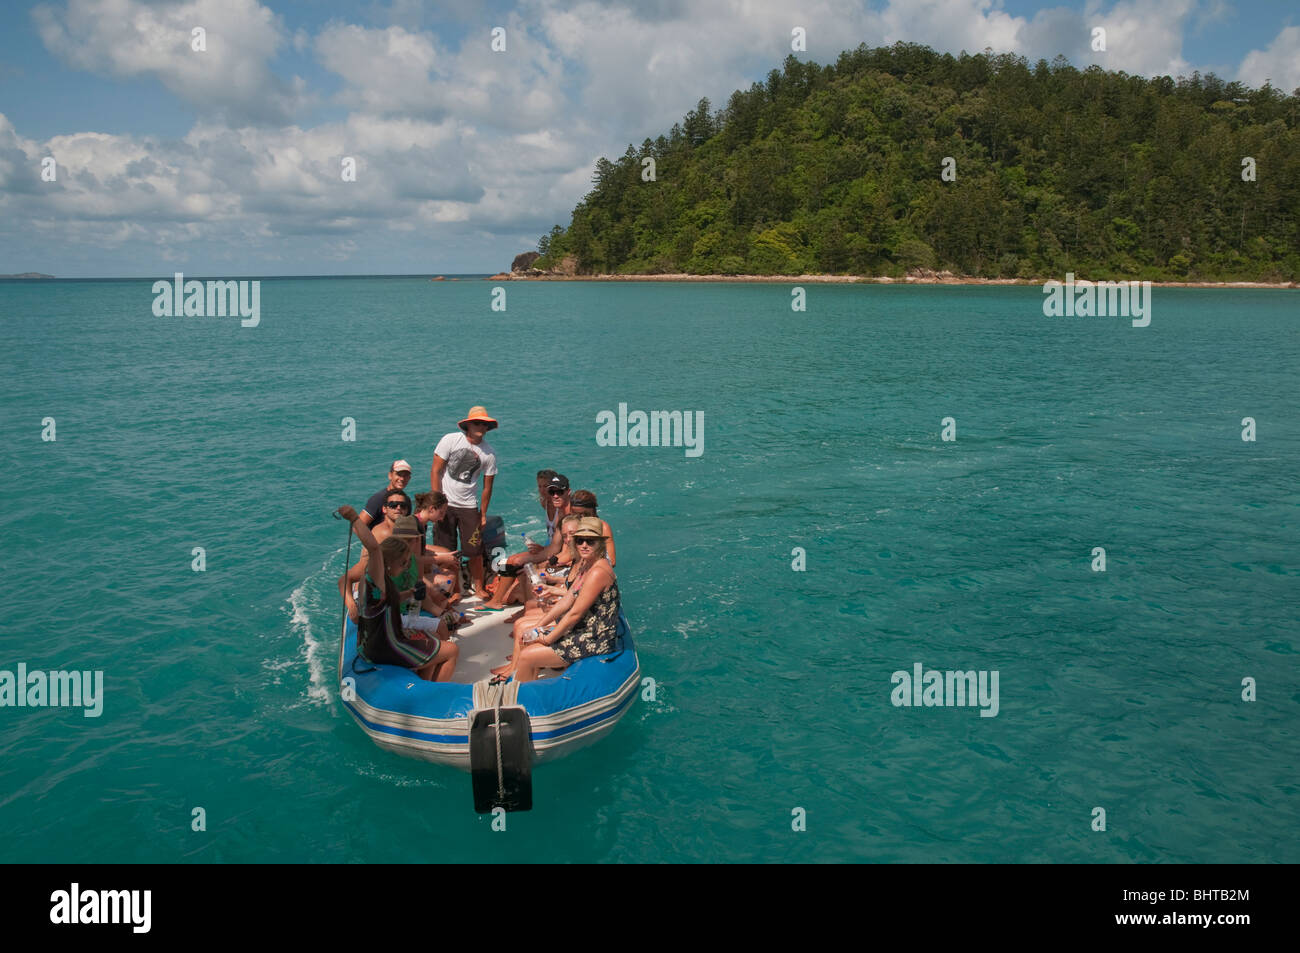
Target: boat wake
315,598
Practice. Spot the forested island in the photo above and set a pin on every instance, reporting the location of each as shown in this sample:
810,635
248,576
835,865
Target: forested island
900,160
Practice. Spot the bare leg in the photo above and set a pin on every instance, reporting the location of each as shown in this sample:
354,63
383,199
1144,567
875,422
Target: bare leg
442,666
433,601
521,628
527,619
513,661
533,657
507,592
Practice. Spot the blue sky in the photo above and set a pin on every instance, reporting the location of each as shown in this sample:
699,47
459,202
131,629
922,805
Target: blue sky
227,161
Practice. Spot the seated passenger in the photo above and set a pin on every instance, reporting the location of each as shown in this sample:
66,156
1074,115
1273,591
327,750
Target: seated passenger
583,503
415,590
555,500
396,503
394,507
381,636
509,588
589,625
399,474
555,588
430,508
543,478
427,593
558,566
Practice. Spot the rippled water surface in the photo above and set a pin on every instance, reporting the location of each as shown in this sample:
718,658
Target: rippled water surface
822,431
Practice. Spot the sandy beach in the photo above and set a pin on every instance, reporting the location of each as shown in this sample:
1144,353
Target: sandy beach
936,279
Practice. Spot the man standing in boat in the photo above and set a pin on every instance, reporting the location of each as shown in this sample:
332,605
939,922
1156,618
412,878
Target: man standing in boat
458,460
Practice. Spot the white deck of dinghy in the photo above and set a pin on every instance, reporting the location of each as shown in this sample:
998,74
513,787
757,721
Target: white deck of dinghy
485,642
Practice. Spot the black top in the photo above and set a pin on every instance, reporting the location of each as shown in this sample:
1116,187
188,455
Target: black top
379,620
375,505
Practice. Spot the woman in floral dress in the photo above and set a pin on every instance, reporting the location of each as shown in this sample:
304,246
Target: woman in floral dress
590,626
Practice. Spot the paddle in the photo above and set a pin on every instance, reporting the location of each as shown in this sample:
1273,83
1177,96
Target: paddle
347,562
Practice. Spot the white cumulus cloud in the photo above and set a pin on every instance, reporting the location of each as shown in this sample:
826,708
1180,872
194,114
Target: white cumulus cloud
128,38
1280,63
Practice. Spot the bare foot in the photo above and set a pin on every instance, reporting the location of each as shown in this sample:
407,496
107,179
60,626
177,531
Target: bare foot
503,669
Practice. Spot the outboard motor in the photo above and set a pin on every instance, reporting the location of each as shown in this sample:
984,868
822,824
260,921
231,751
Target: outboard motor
494,536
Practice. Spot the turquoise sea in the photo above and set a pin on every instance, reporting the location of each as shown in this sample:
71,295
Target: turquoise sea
1119,689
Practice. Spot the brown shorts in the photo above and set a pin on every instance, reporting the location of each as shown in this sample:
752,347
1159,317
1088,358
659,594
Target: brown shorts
464,520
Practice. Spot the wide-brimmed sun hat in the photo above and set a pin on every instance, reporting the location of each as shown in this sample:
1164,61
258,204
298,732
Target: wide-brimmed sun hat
478,415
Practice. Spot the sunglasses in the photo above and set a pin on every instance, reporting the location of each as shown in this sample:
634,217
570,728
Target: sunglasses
586,540
554,491
404,507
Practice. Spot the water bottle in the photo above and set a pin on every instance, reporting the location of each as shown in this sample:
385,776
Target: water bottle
534,577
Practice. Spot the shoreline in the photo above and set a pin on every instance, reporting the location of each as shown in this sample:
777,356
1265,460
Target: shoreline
880,280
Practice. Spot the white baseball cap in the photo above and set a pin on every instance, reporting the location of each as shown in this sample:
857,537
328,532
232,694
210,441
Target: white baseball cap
400,465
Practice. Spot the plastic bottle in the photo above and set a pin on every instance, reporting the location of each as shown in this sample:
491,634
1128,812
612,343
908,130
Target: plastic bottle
534,577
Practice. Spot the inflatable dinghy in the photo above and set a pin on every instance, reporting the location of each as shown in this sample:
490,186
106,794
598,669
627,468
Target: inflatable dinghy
566,709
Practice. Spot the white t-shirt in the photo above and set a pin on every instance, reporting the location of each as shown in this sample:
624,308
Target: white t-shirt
464,463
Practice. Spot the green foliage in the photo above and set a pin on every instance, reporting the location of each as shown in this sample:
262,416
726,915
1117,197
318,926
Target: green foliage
836,169
915,254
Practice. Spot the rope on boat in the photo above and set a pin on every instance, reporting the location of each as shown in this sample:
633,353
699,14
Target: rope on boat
501,777
487,695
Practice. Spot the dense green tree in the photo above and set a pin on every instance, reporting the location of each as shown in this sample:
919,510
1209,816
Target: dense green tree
837,169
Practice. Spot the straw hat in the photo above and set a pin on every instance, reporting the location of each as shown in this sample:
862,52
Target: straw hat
479,414
590,526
